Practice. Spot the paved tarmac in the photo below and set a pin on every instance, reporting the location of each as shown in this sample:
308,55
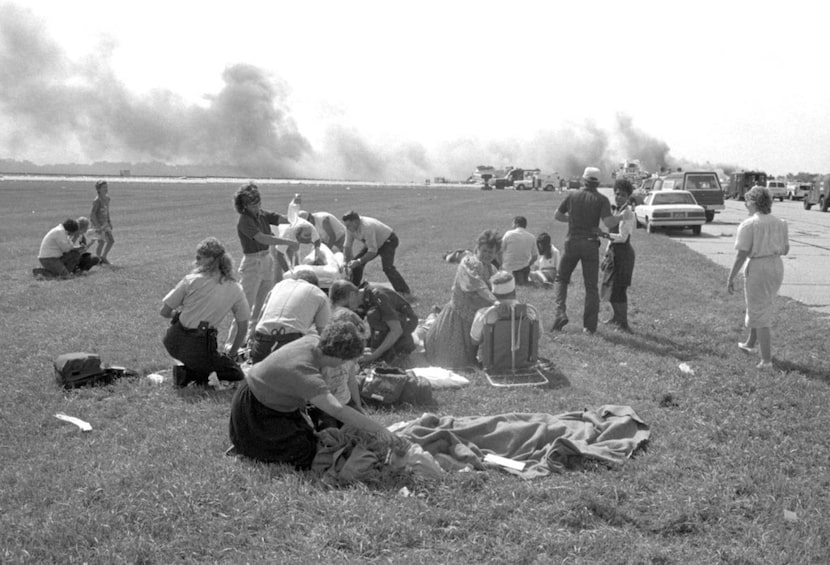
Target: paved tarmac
806,268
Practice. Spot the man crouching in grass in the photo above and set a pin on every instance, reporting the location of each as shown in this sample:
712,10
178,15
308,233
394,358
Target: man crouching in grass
268,421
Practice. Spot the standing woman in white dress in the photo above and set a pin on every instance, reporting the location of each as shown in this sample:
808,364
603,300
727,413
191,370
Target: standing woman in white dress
760,242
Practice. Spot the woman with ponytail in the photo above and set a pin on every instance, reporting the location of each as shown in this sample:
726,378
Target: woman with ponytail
196,306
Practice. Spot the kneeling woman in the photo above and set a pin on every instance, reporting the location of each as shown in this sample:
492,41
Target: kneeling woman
197,305
268,418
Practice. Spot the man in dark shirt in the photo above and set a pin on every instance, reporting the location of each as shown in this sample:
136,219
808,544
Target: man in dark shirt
391,322
582,210
256,270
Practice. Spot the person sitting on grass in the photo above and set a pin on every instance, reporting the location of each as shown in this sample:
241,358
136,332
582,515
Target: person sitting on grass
82,243
196,307
268,420
543,271
504,289
58,256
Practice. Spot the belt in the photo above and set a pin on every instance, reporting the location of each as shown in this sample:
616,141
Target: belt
193,331
277,335
257,253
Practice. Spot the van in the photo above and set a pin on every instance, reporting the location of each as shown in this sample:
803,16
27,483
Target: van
742,181
777,189
704,185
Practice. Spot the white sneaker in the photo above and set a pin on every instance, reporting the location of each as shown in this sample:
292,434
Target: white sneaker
765,366
747,349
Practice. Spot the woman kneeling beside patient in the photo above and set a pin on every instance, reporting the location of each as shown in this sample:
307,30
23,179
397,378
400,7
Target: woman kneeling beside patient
268,412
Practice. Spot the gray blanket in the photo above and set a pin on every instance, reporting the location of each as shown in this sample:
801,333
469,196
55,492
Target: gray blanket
543,442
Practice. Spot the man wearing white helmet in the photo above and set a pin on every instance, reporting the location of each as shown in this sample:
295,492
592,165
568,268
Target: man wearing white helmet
582,210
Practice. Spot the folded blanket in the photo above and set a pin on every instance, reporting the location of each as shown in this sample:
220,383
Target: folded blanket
545,443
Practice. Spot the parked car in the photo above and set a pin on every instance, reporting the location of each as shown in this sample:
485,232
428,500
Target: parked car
777,189
670,209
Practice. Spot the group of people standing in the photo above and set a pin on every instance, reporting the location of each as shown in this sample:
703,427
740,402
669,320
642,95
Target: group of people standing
66,249
529,260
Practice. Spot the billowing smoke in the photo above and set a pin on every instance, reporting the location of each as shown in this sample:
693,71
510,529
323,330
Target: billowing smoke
49,101
246,126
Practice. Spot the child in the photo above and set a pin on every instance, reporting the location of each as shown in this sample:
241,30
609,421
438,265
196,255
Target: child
100,219
543,270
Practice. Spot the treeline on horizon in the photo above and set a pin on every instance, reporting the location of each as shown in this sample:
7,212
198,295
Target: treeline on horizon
161,169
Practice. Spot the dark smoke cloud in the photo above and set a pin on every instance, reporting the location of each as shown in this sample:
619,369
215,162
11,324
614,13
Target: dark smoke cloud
247,125
50,101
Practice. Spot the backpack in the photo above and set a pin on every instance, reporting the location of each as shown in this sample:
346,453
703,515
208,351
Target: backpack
511,342
73,370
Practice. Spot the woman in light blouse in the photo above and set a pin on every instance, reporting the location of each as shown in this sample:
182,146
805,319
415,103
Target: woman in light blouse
618,265
760,242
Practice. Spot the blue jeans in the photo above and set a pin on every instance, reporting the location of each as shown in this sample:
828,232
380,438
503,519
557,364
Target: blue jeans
587,251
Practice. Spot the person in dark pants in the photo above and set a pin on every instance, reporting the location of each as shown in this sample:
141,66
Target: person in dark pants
618,265
582,210
58,256
377,239
295,307
196,306
268,412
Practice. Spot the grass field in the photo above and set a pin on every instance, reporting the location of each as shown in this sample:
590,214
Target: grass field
736,471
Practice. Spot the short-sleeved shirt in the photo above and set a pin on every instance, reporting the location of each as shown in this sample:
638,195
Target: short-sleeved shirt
202,298
295,306
323,219
55,243
762,235
373,233
518,246
289,377
585,209
248,226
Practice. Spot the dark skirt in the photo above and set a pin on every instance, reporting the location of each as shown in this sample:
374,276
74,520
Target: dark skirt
261,433
618,265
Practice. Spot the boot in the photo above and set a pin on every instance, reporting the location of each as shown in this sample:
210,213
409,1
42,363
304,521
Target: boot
621,314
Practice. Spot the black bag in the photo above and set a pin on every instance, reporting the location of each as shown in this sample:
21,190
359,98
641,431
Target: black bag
74,370
391,385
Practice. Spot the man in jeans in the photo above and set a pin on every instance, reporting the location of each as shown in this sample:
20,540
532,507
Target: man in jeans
582,210
378,239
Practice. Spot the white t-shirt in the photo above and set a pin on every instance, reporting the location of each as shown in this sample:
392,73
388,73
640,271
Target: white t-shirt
518,246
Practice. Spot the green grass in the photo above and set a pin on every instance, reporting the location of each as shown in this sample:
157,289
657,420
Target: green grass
731,450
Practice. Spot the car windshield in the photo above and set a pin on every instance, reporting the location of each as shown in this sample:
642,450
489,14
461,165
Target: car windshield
702,182
672,198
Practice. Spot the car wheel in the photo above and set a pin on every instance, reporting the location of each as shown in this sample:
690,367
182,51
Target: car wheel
520,187
548,188
649,226
696,230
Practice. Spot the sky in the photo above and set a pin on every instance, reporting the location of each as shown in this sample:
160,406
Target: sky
403,90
